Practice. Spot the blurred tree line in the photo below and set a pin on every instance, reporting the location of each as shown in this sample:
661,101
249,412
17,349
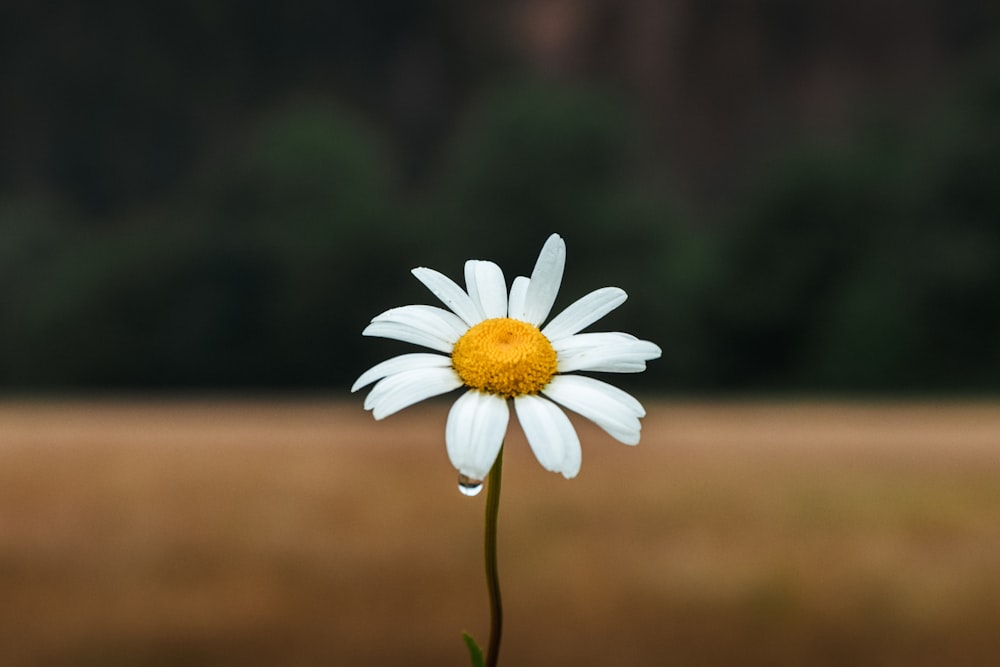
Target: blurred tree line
204,213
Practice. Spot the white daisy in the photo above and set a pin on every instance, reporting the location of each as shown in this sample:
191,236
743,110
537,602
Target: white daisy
494,345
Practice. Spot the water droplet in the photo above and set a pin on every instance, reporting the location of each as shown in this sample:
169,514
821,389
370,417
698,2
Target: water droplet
469,486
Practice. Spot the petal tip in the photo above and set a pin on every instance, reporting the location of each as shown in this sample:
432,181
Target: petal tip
572,470
631,439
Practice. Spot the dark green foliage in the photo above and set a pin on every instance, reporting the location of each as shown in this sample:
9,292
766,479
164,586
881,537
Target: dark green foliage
870,265
873,266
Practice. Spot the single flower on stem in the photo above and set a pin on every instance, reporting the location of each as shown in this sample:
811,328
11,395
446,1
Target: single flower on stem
491,341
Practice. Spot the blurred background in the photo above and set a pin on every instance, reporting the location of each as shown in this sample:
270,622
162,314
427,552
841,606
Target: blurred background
796,196
202,204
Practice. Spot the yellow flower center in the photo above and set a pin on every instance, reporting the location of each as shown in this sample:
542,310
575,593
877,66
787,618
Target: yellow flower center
504,356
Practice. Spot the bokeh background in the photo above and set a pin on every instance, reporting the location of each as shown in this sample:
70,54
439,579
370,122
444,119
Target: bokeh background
796,196
202,204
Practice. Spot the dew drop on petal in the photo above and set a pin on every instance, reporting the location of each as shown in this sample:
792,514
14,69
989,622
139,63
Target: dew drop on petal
469,486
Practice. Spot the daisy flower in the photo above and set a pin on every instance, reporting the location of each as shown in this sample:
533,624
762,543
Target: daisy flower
493,343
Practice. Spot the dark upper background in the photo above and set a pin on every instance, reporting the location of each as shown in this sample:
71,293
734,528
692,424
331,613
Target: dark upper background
220,194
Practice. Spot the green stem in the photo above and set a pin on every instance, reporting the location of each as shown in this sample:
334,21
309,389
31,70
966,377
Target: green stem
492,574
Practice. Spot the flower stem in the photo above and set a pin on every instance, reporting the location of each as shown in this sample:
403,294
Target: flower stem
492,574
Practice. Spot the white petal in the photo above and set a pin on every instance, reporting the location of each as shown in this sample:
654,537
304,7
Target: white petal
518,292
450,294
431,319
594,339
408,334
584,312
550,434
607,352
609,407
470,283
474,433
545,280
487,287
404,362
402,390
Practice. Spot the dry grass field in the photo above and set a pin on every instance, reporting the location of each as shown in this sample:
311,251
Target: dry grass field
304,533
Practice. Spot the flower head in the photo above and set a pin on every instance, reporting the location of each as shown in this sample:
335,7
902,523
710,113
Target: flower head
494,344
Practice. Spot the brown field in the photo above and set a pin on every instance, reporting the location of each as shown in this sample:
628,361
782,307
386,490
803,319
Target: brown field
304,533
